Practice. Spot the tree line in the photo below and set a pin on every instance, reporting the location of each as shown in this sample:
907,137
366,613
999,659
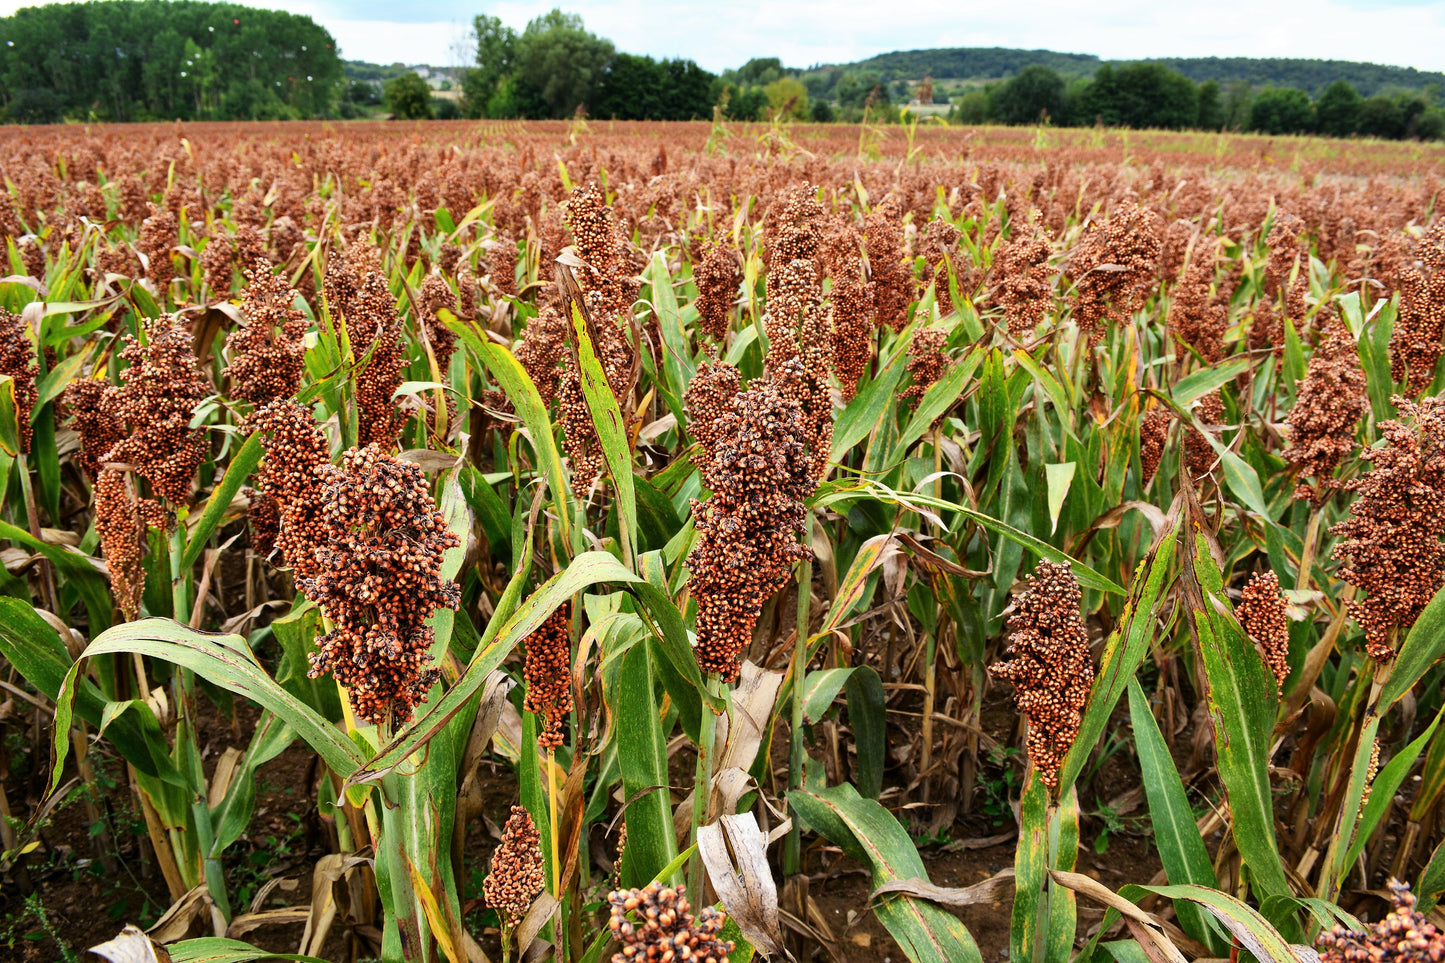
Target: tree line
993,63
1150,95
125,60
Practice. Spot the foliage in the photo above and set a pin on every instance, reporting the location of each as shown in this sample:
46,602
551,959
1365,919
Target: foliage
1036,94
127,60
1281,110
408,97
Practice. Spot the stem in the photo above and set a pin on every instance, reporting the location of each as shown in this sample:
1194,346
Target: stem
559,923
48,592
792,852
180,596
702,788
1307,551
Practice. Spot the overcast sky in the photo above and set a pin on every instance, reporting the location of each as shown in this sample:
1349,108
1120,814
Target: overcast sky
1407,33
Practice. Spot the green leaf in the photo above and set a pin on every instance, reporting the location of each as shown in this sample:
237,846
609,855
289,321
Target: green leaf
678,360
223,660
869,833
1383,789
939,397
587,569
508,372
1176,834
868,408
1123,651
1243,481
866,717
243,463
1252,930
215,949
611,432
642,752
1202,382
1424,646
80,571
1027,927
9,418
36,651
1242,707
1059,477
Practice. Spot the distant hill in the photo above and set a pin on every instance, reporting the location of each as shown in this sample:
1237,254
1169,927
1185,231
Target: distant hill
991,63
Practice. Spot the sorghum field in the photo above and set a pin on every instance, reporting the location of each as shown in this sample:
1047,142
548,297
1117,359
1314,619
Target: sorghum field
639,542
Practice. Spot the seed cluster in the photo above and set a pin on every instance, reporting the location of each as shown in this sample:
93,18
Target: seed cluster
754,460
666,929
1153,433
161,391
1403,936
17,359
609,288
717,275
268,354
97,427
380,579
1261,611
290,484
892,276
548,674
217,264
542,350
1022,281
1113,268
1390,545
517,873
1415,344
158,234
800,339
851,303
122,534
1050,669
1326,413
1197,320
1286,270
1199,456
926,362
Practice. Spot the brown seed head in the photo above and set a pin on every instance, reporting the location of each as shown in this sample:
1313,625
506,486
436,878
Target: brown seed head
1261,611
1404,936
268,354
1326,412
548,674
161,391
656,925
380,581
17,359
517,873
1390,545
1051,670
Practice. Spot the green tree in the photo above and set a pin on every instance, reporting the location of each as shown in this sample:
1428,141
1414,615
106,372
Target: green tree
1281,110
408,97
1337,112
558,65
1381,116
758,72
971,108
1211,107
1036,94
124,60
821,112
496,55
1147,95
1237,107
787,97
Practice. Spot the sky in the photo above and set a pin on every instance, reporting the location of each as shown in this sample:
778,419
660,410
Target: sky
806,32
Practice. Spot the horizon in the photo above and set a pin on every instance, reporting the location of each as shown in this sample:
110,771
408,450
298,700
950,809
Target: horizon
1398,33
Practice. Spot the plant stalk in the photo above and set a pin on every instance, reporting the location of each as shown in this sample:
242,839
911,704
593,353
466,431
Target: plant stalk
702,787
793,850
